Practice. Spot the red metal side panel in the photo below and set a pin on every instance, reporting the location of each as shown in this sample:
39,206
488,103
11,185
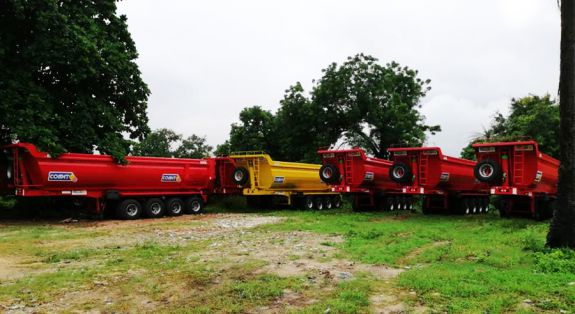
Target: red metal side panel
225,167
434,171
142,175
526,168
359,171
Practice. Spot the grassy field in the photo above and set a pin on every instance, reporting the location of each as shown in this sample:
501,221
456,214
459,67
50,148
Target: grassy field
285,261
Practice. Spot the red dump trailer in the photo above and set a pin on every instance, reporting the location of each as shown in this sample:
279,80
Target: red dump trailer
446,183
352,171
148,186
523,177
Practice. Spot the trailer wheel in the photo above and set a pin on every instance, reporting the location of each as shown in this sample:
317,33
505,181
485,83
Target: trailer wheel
337,203
488,171
194,205
240,176
329,174
129,209
486,202
466,206
174,206
400,173
327,202
308,202
318,203
154,208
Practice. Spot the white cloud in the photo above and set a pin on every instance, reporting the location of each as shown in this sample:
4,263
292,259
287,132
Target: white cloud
206,60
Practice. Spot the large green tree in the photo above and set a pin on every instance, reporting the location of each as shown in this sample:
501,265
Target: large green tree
68,78
360,103
562,231
530,117
373,105
254,132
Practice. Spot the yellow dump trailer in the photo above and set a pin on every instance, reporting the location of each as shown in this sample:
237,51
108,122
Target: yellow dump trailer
267,182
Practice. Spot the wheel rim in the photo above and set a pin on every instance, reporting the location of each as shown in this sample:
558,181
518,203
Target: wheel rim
238,175
195,206
327,173
486,171
176,208
309,203
328,204
156,208
132,210
398,172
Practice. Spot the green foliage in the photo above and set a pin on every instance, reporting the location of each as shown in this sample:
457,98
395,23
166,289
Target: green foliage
531,117
254,132
69,81
374,106
556,261
360,102
167,143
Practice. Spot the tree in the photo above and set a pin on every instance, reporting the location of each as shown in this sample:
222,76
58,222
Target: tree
167,143
69,81
159,143
193,147
374,106
293,127
360,102
254,130
531,117
562,230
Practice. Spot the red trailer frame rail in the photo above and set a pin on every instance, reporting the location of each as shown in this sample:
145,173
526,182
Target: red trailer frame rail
446,183
523,177
151,186
351,171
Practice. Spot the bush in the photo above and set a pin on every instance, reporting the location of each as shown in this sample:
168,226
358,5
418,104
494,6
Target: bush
556,261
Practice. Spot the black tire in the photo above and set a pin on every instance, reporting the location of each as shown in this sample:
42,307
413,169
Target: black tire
129,209
329,174
337,203
308,203
466,206
194,205
240,176
388,203
400,173
174,206
327,203
318,203
154,208
488,171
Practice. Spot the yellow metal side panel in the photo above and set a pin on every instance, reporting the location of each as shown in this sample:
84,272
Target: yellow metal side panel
278,177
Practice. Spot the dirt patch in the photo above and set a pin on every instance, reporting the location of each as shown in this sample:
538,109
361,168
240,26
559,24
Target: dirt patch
233,240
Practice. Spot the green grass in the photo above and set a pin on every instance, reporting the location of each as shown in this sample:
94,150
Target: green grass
456,264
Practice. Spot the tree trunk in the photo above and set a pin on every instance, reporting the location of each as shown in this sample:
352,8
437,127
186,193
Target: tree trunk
562,231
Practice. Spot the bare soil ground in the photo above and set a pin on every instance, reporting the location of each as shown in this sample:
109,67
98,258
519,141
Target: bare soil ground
231,240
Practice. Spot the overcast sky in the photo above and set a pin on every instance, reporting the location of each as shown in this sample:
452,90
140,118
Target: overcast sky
206,60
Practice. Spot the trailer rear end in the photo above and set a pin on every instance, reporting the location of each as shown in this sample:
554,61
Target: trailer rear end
144,186
524,178
266,182
446,183
367,179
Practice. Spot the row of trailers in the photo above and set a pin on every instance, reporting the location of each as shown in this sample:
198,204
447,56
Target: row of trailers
523,179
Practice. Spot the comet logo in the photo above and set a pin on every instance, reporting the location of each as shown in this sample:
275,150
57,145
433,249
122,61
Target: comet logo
61,176
167,177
